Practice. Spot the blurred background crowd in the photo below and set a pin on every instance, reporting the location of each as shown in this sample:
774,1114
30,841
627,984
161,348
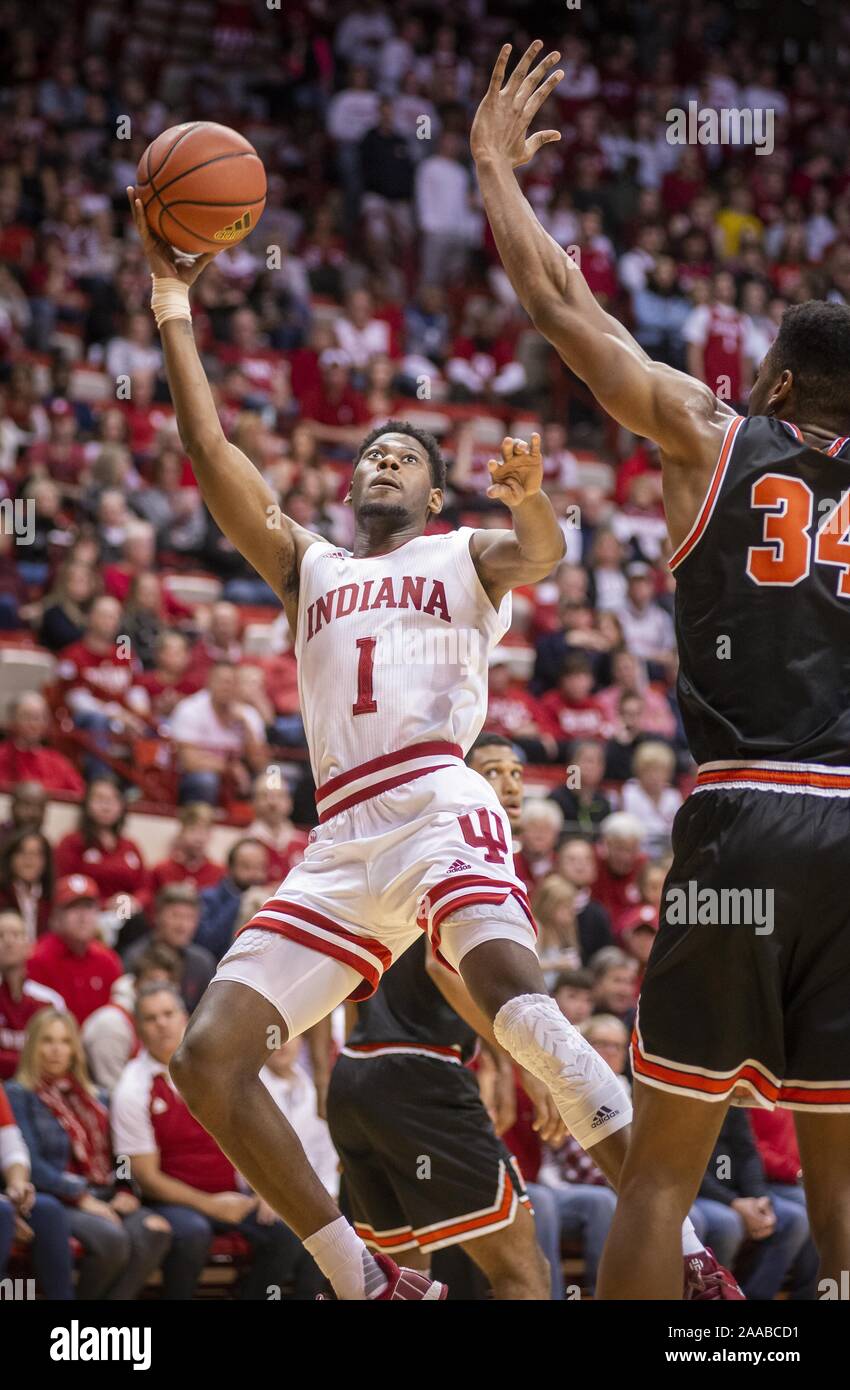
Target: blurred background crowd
152,753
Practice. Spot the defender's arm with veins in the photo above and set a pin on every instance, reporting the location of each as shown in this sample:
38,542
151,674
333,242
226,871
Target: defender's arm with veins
683,415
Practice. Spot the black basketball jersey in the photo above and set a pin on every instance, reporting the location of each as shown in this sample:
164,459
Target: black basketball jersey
763,601
407,1007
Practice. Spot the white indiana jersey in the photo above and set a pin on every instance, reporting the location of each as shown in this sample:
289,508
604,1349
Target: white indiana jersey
393,650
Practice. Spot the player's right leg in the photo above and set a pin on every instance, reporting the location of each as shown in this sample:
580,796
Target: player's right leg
672,1138
258,1000
824,1141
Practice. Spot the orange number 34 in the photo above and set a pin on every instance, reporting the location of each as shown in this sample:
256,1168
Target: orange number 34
786,556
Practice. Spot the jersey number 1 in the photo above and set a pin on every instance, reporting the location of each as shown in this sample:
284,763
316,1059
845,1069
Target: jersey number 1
786,557
365,702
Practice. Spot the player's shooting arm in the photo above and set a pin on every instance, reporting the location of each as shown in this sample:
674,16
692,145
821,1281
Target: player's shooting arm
238,498
681,414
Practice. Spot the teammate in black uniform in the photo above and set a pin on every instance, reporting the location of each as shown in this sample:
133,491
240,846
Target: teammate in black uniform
423,1166
747,992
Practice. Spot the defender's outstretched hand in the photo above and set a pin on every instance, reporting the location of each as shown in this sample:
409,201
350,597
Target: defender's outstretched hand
520,474
500,128
163,262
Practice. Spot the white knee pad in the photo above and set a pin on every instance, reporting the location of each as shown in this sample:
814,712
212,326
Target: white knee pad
591,1100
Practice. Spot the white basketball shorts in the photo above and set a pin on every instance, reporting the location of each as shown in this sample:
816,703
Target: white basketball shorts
432,855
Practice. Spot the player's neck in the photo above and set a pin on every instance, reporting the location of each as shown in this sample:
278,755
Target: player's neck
380,539
818,436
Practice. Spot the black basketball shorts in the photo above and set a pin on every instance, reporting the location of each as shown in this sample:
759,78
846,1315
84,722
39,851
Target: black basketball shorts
422,1165
747,990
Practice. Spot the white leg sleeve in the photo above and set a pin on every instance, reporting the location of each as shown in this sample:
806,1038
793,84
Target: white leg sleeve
591,1101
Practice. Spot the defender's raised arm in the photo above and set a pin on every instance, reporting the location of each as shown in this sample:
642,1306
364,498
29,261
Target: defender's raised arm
240,501
681,414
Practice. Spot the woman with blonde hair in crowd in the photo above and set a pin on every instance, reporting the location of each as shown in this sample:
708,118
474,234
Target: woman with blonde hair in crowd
553,905
65,1127
650,795
62,615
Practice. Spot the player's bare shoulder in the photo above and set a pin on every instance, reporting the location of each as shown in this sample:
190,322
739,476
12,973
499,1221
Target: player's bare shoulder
699,423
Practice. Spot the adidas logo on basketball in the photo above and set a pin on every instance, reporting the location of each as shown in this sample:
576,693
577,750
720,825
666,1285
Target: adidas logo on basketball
234,230
456,867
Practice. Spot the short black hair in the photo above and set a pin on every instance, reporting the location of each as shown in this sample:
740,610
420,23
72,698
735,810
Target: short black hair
814,343
423,437
240,844
572,979
485,740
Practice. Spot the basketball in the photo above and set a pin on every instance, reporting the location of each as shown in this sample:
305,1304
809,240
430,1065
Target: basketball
202,185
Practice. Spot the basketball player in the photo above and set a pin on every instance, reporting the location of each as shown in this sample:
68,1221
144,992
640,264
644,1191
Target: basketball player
400,1091
392,643
758,509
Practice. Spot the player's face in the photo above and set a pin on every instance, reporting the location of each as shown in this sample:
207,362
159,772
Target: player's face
767,380
503,769
393,479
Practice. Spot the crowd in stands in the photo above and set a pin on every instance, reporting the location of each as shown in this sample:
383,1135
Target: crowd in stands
161,673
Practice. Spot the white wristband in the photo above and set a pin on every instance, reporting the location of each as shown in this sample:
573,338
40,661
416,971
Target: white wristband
169,299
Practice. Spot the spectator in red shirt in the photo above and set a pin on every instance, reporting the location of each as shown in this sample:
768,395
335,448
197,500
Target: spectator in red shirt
180,1169
23,756
220,643
572,710
26,879
336,413
188,861
272,824
168,681
70,959
515,713
620,857
20,996
717,335
100,850
97,676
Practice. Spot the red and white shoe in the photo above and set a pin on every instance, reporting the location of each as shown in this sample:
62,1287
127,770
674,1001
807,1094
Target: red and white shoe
403,1283
705,1279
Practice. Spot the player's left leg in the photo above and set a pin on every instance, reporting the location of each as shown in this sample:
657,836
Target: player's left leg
506,982
512,1260
824,1141
671,1142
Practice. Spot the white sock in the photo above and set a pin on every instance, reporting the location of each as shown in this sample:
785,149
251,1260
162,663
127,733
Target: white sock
344,1260
691,1243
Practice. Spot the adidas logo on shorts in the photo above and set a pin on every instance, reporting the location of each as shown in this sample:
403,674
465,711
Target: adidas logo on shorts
602,1116
456,867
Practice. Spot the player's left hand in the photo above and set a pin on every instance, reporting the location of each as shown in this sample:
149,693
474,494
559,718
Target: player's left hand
500,128
266,1215
163,261
520,473
547,1120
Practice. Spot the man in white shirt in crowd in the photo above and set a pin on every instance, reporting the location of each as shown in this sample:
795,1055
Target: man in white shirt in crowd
215,734
294,1093
443,213
647,628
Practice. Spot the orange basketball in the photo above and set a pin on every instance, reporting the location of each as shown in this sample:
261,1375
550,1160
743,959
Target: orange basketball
202,185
